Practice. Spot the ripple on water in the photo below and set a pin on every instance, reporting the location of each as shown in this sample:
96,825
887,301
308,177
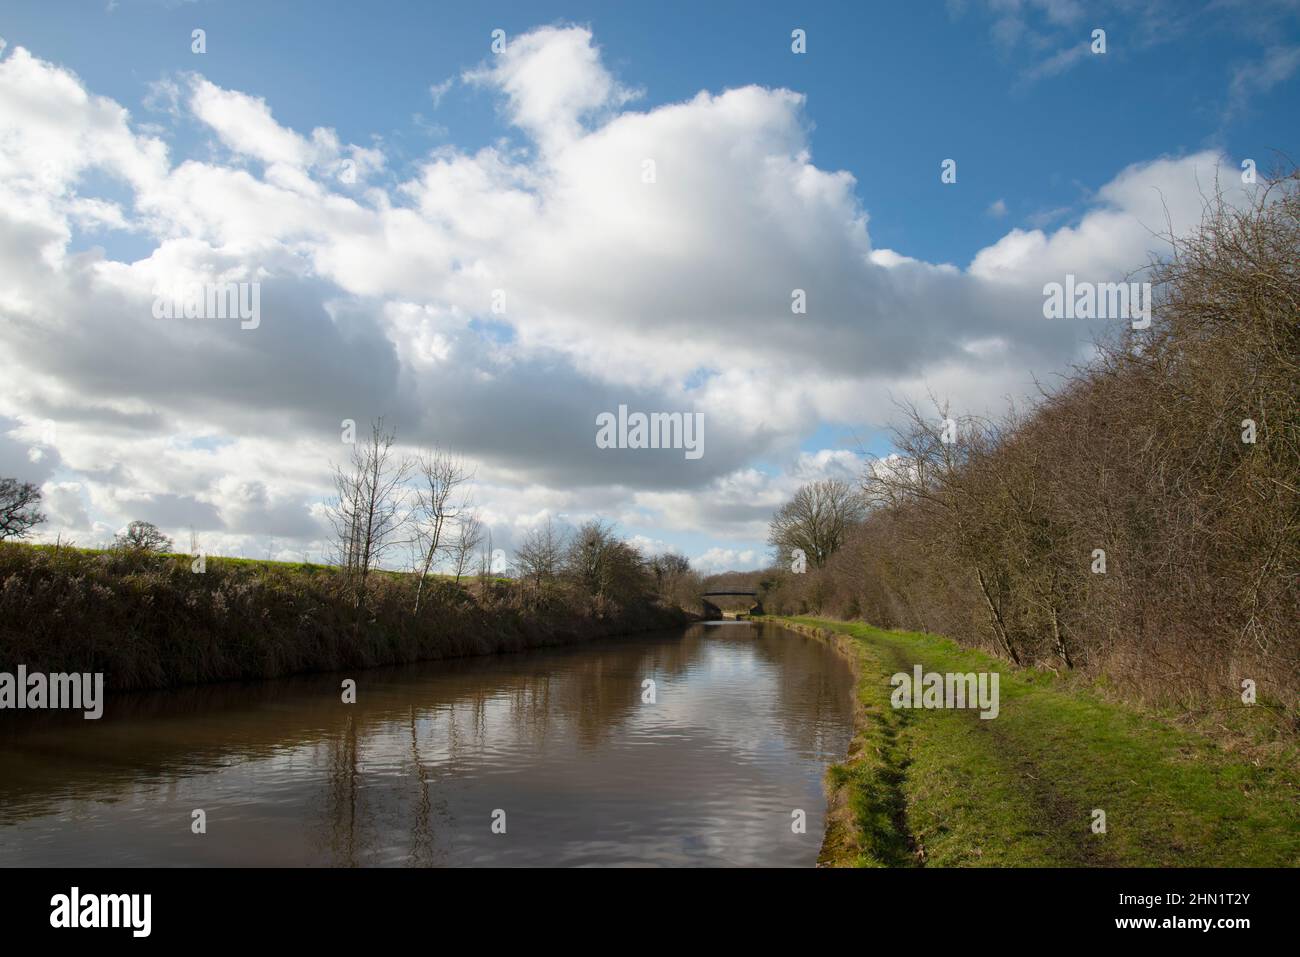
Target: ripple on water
744,721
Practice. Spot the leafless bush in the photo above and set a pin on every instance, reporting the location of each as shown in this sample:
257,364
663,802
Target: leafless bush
675,582
603,565
538,556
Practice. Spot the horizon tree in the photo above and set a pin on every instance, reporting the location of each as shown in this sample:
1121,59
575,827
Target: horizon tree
816,520
142,537
18,511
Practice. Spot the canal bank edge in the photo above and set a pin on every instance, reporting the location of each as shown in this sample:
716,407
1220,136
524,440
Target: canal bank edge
839,840
148,622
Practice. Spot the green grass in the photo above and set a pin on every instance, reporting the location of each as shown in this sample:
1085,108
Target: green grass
945,788
257,564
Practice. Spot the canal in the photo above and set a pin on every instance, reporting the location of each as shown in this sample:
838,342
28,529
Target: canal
694,747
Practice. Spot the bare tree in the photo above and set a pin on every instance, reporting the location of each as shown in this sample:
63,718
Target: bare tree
816,520
604,565
469,536
676,583
485,569
18,511
538,555
142,537
439,500
370,505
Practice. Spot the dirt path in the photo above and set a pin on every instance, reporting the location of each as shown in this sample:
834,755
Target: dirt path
1056,816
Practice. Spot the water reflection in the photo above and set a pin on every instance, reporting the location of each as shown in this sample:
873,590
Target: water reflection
745,720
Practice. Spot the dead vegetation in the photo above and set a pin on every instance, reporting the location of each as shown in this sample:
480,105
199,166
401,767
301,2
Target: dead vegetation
1141,524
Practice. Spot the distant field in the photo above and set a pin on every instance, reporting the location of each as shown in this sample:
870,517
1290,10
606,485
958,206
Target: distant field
308,568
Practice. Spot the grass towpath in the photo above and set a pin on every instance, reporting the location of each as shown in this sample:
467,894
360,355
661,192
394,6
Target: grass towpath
946,788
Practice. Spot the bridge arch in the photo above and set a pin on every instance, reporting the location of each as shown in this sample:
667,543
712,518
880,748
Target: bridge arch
712,612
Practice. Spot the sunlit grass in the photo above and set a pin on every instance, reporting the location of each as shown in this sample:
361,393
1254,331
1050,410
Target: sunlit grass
1021,789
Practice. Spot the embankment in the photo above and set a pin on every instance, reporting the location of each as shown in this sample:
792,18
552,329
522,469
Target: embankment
943,787
148,621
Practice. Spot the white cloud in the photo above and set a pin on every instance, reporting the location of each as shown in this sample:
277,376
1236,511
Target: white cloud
717,560
246,126
438,90
65,509
1276,65
667,296
553,79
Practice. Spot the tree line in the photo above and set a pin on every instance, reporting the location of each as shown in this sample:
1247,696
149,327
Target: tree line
1141,521
385,501
411,579
415,514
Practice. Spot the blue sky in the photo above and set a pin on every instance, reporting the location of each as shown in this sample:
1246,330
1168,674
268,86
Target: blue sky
892,88
1038,125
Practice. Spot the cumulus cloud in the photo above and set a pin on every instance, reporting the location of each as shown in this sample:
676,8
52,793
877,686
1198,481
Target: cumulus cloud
729,559
495,301
65,508
552,78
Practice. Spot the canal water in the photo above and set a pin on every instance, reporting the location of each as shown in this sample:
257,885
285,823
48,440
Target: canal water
563,756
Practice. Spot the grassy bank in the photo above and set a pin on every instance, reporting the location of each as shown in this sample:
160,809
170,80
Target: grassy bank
148,621
943,788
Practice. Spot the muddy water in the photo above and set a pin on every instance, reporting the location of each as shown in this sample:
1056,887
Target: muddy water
558,747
